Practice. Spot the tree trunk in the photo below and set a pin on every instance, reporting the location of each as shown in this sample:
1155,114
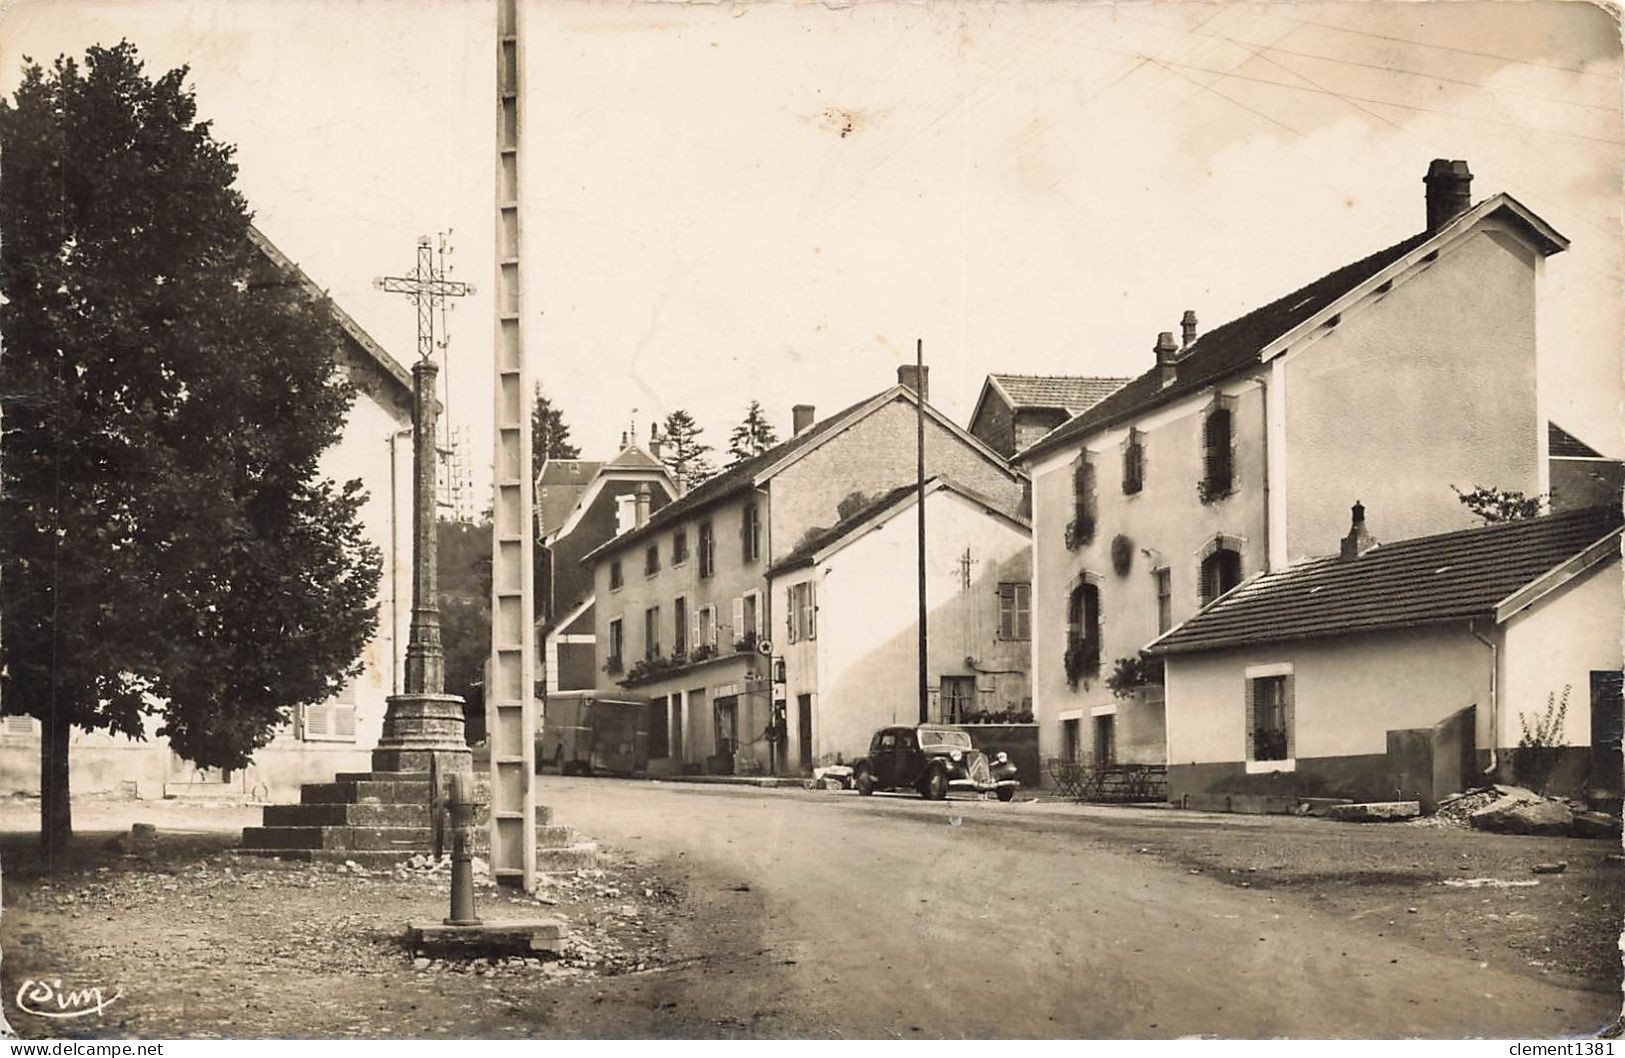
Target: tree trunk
56,814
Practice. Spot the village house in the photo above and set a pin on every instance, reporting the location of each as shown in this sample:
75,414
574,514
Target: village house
333,736
683,612
580,504
1391,380
1407,670
847,639
1581,476
1014,411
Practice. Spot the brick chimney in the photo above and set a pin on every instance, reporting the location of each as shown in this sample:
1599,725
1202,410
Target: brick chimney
920,385
1187,330
1450,191
655,439
801,417
1359,541
1167,357
643,505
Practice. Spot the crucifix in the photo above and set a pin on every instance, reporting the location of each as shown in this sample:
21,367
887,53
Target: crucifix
418,724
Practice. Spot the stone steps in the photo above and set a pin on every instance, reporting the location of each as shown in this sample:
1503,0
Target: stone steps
361,791
371,859
359,814
353,838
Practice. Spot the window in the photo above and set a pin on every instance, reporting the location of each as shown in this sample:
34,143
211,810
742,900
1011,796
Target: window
651,632
679,547
1221,571
679,636
1105,740
1133,463
1165,599
617,641
1218,462
1015,610
1081,531
1071,740
748,618
708,557
614,574
1269,718
958,698
333,720
705,627
800,618
1083,633
651,560
750,532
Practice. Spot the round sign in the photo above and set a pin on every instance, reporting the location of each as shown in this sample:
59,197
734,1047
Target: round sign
764,647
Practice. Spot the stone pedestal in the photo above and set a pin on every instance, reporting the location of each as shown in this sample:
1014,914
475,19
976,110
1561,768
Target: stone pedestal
424,732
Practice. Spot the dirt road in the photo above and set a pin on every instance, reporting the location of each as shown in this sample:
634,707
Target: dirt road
895,917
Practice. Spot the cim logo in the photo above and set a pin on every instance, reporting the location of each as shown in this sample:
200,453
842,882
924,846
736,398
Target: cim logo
48,999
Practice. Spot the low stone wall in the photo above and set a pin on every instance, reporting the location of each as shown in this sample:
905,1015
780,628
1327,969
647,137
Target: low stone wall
1020,741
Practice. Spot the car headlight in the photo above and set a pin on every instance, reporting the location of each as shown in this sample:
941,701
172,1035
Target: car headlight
1000,757
956,756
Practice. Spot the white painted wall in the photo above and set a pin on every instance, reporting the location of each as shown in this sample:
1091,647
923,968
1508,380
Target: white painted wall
1558,643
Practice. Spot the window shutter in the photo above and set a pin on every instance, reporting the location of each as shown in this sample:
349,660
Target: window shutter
1252,695
318,721
739,619
812,611
18,726
1287,718
790,615
344,723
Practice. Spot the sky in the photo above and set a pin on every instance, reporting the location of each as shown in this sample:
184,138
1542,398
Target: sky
728,202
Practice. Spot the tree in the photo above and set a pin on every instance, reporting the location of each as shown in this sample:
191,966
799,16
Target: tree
753,436
683,453
549,433
170,547
465,611
1499,505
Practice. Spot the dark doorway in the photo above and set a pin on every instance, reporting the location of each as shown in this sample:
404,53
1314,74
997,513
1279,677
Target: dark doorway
659,733
1607,727
804,730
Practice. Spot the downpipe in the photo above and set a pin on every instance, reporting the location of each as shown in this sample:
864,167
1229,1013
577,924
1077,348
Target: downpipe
1495,669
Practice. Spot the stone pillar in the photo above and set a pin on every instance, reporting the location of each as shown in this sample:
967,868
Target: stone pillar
424,725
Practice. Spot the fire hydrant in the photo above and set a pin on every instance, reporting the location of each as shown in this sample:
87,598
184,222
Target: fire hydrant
463,807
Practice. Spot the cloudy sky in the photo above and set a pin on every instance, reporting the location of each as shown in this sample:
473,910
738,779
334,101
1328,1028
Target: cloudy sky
726,202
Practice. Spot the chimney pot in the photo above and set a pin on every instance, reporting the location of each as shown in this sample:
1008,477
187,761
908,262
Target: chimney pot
1359,540
1167,357
801,417
1187,328
1449,191
918,380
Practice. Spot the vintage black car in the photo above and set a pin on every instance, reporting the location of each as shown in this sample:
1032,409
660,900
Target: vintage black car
933,759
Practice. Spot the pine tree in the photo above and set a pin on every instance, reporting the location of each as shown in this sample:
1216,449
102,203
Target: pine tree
753,436
549,433
683,453
171,548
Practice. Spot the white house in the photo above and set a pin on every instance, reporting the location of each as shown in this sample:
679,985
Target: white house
848,635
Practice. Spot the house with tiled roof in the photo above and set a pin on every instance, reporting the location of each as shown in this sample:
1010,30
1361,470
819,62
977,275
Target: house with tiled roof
1404,670
1013,411
580,504
684,615
848,597
1581,476
1395,379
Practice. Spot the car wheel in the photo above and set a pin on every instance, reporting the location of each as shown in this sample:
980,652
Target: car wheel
935,787
1007,793
864,782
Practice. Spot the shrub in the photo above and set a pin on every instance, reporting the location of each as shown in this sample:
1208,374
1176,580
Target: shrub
1542,742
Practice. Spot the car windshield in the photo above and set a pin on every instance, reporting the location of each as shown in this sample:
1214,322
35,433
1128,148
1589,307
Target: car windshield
936,736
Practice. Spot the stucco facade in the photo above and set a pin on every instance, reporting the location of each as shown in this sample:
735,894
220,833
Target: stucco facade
860,671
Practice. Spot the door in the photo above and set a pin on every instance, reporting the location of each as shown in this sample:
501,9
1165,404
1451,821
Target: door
906,769
804,729
1607,727
1105,740
885,758
726,714
677,707
1071,740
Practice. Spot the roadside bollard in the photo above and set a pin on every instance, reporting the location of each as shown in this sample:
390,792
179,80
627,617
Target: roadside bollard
462,807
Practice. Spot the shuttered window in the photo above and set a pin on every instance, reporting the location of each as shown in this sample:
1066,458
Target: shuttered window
1218,452
799,622
750,532
1015,610
333,720
1269,718
17,727
708,550
1133,463
679,613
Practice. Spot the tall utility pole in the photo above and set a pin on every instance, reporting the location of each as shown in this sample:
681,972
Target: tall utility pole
510,690
919,502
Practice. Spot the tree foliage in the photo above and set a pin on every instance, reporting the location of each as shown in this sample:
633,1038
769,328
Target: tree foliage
465,610
685,456
753,436
170,546
549,433
1499,505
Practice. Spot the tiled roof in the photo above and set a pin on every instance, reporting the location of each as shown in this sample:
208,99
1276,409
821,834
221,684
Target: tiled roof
903,494
1074,393
634,458
1225,349
1453,576
1562,444
730,481
568,471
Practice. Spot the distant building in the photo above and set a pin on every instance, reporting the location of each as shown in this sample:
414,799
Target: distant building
1240,450
1406,669
581,504
684,615
1581,476
333,736
1014,411
848,634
